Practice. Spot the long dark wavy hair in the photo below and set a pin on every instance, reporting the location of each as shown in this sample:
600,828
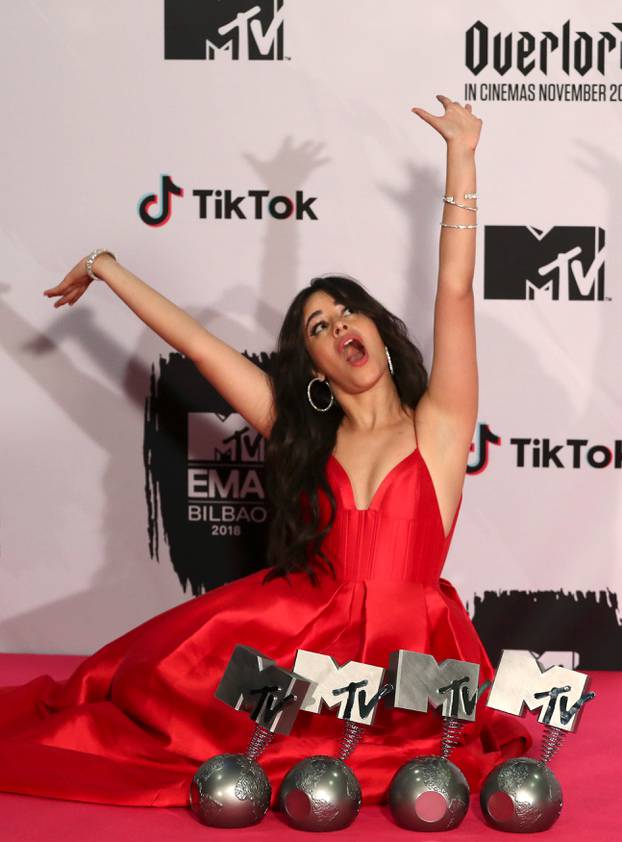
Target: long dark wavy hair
302,439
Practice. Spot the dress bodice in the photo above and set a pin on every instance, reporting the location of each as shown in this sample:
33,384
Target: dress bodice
399,537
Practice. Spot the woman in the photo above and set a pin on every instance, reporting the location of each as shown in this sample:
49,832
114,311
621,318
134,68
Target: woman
365,463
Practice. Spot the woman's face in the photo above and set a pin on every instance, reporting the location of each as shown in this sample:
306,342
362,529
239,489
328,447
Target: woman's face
327,325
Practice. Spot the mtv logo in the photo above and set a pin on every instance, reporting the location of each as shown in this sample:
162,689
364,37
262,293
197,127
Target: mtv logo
355,687
521,680
236,30
214,438
564,263
254,683
419,679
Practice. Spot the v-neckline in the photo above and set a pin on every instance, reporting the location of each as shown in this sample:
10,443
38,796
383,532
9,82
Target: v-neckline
379,488
385,479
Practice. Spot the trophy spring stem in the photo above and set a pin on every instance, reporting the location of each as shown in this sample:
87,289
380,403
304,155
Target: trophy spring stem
450,736
350,739
260,739
552,739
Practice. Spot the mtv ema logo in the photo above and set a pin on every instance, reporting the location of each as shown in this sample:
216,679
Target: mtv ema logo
204,478
564,263
236,30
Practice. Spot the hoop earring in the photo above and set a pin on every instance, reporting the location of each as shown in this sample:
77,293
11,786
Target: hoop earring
390,364
315,406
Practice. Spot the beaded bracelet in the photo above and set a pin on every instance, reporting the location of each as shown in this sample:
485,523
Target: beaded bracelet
90,260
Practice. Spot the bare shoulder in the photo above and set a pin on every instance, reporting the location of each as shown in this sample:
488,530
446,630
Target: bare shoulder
444,443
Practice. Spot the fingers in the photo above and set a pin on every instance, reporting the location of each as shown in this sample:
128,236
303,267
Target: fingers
69,292
443,99
59,289
425,115
447,102
70,298
432,119
73,297
61,301
55,292
71,287
420,111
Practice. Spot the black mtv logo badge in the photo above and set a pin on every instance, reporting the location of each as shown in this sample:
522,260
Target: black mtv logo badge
236,30
564,263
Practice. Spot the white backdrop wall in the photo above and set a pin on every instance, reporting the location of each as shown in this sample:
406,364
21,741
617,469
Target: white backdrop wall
96,114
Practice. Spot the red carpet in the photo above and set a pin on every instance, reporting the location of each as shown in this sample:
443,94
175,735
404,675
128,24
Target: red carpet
588,812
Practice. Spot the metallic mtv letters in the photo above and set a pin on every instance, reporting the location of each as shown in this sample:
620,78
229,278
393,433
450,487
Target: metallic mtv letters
418,680
270,694
273,695
355,687
558,692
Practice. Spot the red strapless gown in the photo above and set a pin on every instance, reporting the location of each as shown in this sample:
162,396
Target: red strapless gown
135,720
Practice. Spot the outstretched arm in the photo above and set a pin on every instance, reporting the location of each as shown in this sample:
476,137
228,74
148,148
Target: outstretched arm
241,383
453,383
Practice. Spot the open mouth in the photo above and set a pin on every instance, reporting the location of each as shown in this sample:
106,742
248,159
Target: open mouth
354,351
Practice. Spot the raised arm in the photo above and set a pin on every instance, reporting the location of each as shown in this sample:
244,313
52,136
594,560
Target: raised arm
241,383
453,383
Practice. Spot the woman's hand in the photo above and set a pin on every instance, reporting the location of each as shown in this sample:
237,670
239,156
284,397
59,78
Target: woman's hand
72,286
457,125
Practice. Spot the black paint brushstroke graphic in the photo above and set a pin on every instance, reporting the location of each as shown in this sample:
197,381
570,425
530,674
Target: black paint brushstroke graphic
200,559
550,620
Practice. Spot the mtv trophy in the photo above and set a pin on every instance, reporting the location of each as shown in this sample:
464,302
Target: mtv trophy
322,793
522,794
232,790
430,792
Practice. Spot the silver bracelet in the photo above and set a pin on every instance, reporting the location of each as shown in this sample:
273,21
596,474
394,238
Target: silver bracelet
466,196
90,260
448,225
450,201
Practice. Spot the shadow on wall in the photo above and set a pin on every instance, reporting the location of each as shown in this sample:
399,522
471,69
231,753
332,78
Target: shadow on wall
122,593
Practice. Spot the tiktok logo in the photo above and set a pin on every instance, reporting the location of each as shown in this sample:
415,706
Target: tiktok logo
168,189
545,453
484,438
225,204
